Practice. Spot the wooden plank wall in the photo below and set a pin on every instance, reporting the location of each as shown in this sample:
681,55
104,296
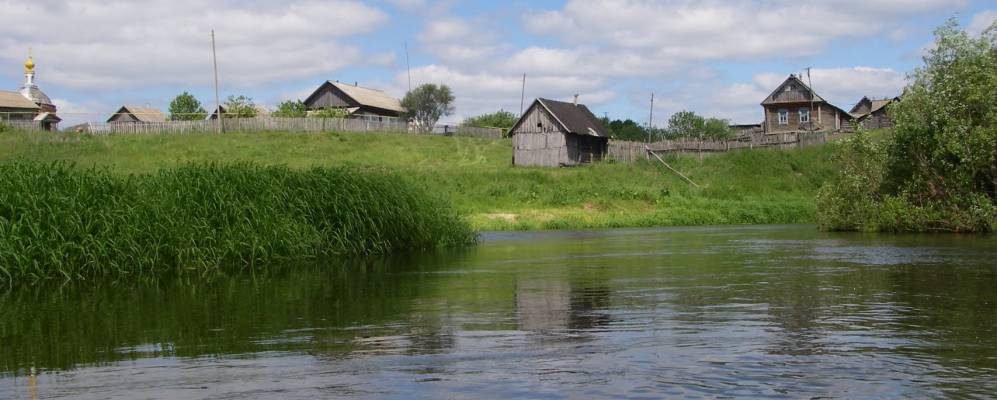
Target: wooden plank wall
623,151
540,149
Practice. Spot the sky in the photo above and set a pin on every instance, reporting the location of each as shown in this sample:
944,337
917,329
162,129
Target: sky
717,58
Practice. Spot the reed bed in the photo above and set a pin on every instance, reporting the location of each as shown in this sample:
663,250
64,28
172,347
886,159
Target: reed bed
58,221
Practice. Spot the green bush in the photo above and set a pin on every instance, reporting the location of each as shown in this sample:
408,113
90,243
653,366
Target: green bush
58,221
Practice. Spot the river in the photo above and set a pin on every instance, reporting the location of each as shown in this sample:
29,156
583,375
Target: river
745,311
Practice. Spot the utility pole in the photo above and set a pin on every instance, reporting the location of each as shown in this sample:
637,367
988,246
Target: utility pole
813,94
650,119
218,104
522,96
408,68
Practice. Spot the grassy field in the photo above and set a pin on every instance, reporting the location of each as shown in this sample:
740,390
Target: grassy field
476,175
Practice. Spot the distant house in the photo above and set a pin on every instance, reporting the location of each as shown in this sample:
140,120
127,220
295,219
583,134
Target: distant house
355,100
794,107
261,111
555,133
137,114
871,114
14,106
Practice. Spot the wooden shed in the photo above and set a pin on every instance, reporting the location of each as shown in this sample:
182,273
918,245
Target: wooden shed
137,114
14,106
355,100
555,133
794,107
871,114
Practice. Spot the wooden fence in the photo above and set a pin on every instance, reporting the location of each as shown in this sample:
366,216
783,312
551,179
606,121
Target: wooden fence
275,124
623,151
23,125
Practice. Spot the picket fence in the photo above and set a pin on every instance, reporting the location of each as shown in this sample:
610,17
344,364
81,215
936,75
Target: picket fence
624,151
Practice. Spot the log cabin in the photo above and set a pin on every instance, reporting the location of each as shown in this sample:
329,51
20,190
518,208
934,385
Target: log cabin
555,133
355,100
794,107
871,114
135,114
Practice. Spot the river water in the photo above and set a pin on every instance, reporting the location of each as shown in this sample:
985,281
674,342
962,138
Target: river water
756,311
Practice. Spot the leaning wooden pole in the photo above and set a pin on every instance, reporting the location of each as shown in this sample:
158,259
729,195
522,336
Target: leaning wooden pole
670,167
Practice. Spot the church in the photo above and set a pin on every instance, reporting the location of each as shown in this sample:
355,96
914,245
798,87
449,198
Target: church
28,107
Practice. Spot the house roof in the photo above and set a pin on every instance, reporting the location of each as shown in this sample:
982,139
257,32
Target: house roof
791,79
365,96
47,117
573,118
143,114
875,105
15,100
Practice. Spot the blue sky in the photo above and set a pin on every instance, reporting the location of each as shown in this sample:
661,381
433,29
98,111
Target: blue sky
718,58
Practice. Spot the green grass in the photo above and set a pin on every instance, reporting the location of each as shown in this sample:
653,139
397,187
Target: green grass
476,175
64,222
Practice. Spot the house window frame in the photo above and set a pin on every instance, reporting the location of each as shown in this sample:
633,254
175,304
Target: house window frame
782,116
804,112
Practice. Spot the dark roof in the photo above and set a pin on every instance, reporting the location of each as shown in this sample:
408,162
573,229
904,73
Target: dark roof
816,97
574,118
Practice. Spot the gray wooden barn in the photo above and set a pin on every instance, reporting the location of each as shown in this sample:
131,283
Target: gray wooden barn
355,100
871,114
137,114
555,133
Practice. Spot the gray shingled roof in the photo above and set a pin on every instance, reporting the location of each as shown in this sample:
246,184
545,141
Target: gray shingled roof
370,97
576,119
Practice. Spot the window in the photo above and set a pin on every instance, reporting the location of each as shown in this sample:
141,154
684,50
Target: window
804,115
783,117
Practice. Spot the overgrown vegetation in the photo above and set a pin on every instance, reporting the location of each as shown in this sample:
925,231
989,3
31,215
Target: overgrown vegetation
291,109
499,119
687,124
425,104
751,186
938,170
239,107
58,221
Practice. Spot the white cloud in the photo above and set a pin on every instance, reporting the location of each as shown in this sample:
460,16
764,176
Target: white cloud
981,21
688,30
119,44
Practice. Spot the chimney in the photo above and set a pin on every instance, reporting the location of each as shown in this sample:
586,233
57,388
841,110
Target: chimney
576,100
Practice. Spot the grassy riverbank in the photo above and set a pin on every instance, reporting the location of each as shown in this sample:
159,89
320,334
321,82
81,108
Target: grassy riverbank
66,222
476,175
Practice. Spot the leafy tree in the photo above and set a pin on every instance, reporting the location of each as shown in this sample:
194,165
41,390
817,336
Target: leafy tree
686,124
291,109
939,170
239,107
427,103
186,107
625,130
499,119
329,112
689,124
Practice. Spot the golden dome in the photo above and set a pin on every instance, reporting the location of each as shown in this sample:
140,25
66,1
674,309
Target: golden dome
29,66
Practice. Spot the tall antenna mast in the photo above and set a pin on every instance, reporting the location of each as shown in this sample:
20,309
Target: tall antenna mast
218,104
408,68
522,96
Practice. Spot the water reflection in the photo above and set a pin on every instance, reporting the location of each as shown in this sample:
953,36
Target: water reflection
746,311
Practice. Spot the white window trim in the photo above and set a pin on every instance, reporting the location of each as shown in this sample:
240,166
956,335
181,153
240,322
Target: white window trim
783,116
804,112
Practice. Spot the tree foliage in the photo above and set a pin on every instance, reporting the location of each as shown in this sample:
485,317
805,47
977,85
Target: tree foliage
427,103
689,124
939,168
186,107
291,109
499,119
239,107
329,112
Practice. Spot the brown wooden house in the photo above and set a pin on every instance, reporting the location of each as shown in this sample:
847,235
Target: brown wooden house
355,100
794,107
555,133
137,114
871,114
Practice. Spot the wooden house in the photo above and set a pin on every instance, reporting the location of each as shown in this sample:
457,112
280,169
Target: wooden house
137,114
555,133
355,100
871,114
794,107
15,107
